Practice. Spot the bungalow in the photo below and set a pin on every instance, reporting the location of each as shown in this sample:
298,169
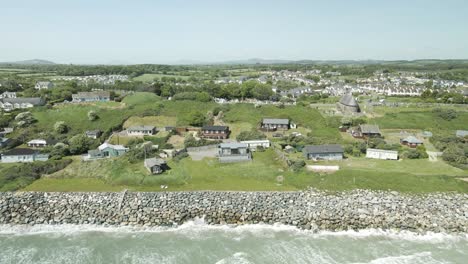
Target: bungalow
381,154
215,132
461,133
9,104
8,95
323,152
369,130
106,150
253,144
233,152
141,130
40,143
23,155
411,142
273,124
97,96
43,85
155,165
94,134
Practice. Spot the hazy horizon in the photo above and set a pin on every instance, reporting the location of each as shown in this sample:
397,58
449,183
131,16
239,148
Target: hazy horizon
120,32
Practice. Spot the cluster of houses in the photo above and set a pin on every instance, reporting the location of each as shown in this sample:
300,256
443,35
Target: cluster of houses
101,79
94,96
12,103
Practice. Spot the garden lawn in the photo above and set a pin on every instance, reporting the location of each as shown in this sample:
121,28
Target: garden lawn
425,120
157,121
302,116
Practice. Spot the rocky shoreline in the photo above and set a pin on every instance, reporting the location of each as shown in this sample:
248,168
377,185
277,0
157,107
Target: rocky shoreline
311,209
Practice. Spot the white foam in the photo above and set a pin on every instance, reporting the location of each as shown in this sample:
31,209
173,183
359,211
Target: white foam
236,258
420,257
197,228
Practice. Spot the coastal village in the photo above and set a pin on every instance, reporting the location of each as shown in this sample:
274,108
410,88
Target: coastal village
347,128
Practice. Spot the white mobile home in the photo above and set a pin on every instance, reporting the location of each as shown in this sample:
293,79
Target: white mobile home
381,154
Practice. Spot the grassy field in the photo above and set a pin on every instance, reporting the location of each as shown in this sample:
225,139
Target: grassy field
157,121
302,116
262,172
408,166
72,185
425,120
259,175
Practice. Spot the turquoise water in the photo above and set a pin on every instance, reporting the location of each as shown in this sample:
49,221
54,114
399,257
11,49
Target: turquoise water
196,242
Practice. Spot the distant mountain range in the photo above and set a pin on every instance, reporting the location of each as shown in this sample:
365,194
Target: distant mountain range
30,62
252,61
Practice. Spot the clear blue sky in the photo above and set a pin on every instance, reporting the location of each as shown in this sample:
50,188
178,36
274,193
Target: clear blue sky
154,31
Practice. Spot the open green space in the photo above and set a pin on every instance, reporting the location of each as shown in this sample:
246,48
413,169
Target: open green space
300,115
261,174
426,120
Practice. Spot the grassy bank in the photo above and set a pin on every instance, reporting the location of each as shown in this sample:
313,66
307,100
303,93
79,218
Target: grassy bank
259,175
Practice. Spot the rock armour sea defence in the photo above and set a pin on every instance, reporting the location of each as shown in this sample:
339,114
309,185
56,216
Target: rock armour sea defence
316,210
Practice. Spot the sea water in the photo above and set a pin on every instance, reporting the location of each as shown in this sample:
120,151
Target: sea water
196,242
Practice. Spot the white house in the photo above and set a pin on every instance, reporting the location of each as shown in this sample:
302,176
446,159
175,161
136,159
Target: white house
141,130
23,155
382,154
40,143
9,104
8,95
253,144
43,85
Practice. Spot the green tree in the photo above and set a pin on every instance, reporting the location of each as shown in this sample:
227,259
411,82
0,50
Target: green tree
24,119
60,127
197,119
80,144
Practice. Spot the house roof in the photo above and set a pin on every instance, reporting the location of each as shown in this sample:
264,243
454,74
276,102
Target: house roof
139,128
154,162
107,145
37,141
412,140
461,133
42,141
383,151
21,100
369,129
348,100
20,151
234,145
332,148
276,121
222,128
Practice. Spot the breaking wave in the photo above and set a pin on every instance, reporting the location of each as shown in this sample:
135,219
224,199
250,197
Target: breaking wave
197,242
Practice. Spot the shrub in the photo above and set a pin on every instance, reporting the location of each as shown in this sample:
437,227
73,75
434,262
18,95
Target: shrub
92,115
190,141
180,156
24,119
297,165
80,144
250,135
193,96
60,127
446,114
